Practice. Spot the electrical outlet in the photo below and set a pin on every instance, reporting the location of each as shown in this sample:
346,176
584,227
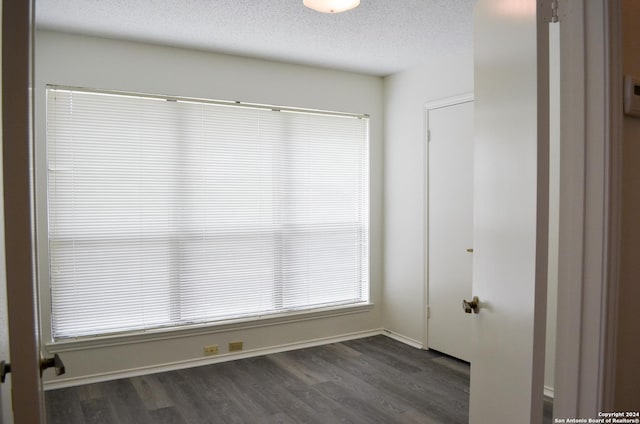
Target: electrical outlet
210,350
235,346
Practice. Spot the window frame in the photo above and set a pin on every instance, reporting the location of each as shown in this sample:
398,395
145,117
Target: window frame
180,330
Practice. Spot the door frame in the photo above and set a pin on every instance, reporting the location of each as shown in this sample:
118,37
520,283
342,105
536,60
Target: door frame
590,206
17,77
429,106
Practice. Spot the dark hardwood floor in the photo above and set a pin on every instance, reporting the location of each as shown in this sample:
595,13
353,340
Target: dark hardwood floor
371,380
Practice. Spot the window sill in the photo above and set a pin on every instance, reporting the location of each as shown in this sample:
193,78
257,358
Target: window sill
199,329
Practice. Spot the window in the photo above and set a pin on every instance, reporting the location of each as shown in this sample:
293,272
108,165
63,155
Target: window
165,212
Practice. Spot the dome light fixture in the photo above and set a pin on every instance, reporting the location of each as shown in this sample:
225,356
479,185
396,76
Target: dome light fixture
331,6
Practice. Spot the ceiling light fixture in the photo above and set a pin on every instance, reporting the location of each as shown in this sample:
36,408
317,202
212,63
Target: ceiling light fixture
331,6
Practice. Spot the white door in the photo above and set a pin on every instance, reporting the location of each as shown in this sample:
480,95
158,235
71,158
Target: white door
6,413
510,211
6,416
450,225
23,323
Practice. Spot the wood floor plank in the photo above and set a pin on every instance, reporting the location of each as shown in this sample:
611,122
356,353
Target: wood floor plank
299,369
67,406
167,415
433,372
353,379
98,411
386,402
390,353
245,392
274,385
279,418
366,406
347,374
453,364
443,378
90,391
430,393
384,347
370,380
325,407
125,402
313,366
152,393
188,399
344,350
414,417
436,400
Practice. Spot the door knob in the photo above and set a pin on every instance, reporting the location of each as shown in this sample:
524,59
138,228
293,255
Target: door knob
54,362
471,305
5,368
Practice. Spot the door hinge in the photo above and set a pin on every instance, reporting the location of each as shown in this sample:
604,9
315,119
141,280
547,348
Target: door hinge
428,312
428,136
554,10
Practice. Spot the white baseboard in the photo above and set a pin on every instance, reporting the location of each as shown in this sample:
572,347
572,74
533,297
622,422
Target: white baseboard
548,391
153,369
403,339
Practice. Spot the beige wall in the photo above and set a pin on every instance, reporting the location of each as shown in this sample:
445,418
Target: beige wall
628,349
81,61
406,94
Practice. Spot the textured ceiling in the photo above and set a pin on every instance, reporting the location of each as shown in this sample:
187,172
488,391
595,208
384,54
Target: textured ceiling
380,37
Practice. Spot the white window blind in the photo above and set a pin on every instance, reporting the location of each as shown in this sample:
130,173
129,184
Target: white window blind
165,213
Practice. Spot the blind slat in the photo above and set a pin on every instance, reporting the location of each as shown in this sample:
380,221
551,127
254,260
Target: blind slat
169,213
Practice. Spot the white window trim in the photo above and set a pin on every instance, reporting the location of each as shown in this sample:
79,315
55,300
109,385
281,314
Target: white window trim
70,345
162,333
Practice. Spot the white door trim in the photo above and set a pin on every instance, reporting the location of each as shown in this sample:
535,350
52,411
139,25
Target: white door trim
589,207
17,66
429,106
611,282
448,101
